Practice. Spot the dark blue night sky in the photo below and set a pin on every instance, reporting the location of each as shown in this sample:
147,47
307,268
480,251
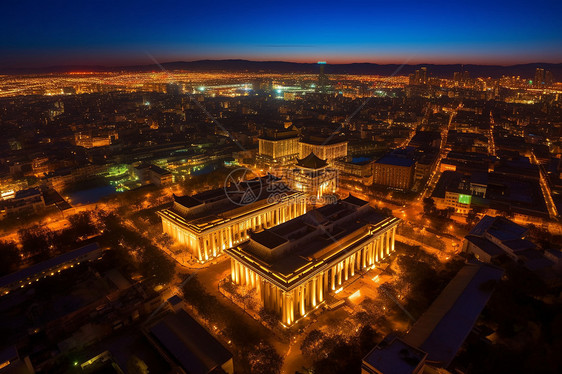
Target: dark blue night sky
40,33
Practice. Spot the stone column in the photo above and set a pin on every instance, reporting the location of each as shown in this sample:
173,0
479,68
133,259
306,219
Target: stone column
321,288
340,270
205,248
215,243
313,292
236,272
291,306
393,239
267,296
284,309
199,246
363,260
301,300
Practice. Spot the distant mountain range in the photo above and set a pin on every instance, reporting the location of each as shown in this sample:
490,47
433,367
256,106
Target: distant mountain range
442,71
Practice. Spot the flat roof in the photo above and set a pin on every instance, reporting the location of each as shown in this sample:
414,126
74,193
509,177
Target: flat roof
189,344
18,276
395,160
323,141
499,227
485,245
395,357
306,244
443,328
212,208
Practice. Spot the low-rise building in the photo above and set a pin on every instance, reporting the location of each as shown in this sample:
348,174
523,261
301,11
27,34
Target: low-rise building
187,346
445,325
394,356
23,202
394,171
313,176
211,221
149,173
295,265
37,272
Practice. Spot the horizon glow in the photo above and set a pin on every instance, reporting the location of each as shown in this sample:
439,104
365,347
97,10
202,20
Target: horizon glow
112,33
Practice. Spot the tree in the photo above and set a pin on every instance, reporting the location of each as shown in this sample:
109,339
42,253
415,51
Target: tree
263,358
312,343
471,217
157,264
35,240
9,257
82,225
368,338
428,205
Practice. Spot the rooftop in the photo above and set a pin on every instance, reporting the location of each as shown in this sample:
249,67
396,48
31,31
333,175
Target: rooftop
303,245
48,264
499,227
395,357
443,328
211,208
311,162
396,160
321,140
189,344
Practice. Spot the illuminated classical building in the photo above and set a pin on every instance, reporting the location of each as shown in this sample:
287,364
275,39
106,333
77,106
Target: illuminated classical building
328,149
211,221
278,147
294,266
312,176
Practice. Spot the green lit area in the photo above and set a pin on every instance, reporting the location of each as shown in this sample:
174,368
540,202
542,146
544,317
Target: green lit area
117,170
464,199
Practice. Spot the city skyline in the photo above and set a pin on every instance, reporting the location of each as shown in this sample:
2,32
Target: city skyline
115,34
280,188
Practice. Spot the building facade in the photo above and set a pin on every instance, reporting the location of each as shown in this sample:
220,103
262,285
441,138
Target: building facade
278,147
294,266
27,201
396,172
326,149
313,176
211,221
149,173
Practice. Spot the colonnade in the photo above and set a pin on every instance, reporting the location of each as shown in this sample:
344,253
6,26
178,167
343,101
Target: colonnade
308,294
210,242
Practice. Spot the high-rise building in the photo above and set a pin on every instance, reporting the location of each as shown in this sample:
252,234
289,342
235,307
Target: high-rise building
419,77
423,75
323,80
539,77
548,78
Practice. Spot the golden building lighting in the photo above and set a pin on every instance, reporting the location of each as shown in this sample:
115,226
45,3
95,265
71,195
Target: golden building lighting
294,266
211,221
